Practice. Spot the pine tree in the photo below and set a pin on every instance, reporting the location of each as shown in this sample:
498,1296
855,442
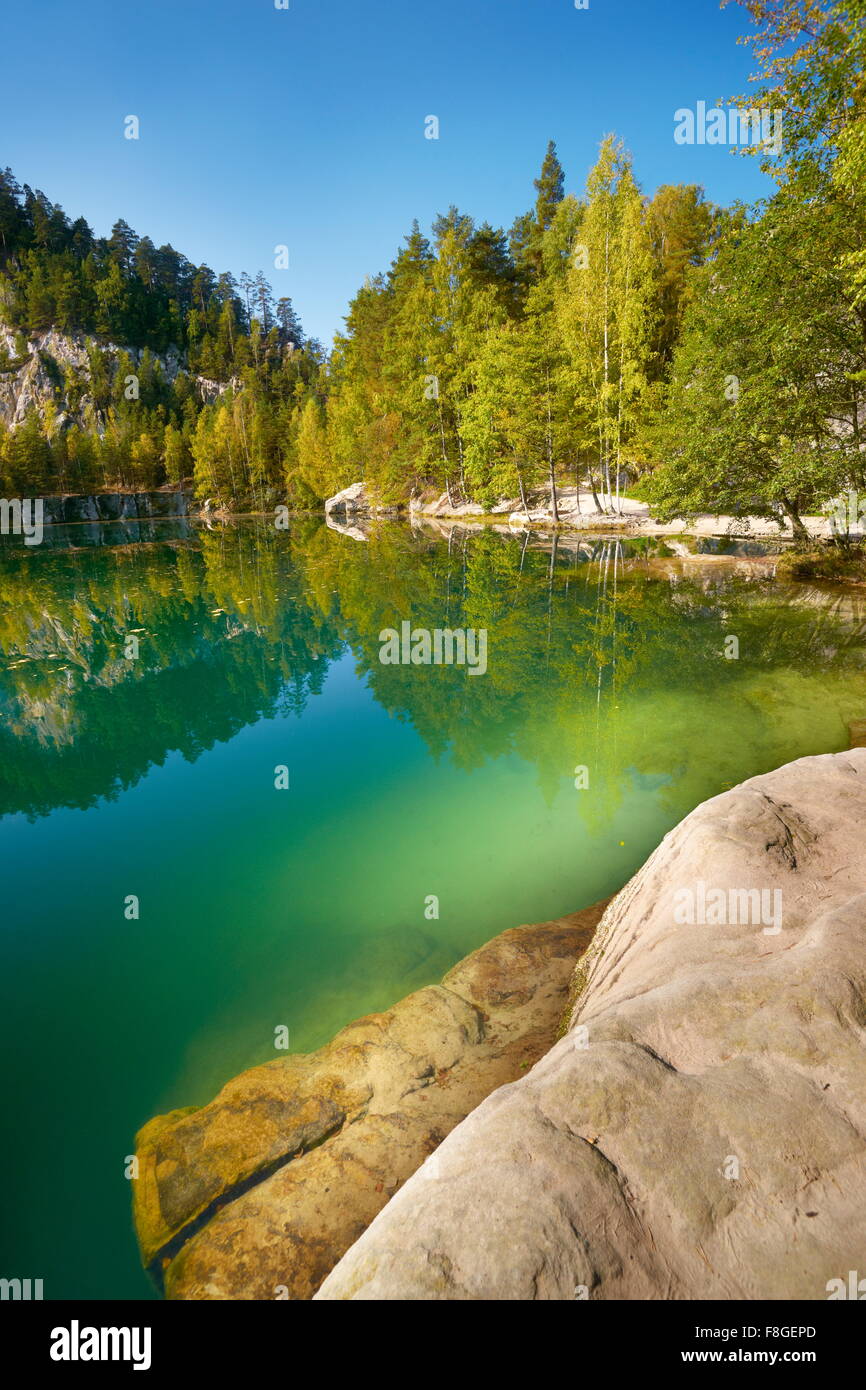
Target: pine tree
550,186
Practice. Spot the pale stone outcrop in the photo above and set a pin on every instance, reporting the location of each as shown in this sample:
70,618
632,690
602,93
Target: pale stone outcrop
442,505
700,1131
44,365
354,503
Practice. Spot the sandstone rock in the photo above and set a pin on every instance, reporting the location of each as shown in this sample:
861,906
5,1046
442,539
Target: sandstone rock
354,503
270,1183
444,507
113,506
700,1131
51,357
351,501
52,511
173,504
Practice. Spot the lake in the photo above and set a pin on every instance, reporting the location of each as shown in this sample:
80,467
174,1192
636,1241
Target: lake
148,783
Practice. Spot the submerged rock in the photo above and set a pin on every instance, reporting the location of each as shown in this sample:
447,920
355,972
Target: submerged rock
700,1130
258,1194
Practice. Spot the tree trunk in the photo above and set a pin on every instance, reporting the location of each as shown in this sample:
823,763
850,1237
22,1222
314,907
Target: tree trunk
523,551
598,506
550,464
793,515
606,362
523,501
444,455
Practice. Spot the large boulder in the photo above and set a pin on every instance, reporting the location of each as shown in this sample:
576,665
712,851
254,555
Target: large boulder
351,502
267,1186
700,1131
355,503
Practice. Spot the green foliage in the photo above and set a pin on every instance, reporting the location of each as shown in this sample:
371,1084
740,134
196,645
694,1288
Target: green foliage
463,369
718,355
243,622
139,413
765,408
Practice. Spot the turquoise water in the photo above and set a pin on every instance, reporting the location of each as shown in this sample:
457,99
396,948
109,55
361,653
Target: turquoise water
305,907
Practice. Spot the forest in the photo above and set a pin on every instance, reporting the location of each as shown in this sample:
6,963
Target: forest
710,359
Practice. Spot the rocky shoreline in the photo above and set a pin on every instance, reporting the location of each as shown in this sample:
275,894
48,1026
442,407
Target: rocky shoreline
264,1189
576,510
698,1130
352,513
72,508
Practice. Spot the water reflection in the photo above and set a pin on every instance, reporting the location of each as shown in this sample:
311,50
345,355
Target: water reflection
242,622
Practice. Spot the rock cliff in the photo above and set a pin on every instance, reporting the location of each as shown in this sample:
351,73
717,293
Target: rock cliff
53,369
115,506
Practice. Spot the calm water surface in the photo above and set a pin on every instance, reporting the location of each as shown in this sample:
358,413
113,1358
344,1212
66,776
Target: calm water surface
306,908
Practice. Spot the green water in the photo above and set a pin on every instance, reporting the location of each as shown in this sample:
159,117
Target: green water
306,907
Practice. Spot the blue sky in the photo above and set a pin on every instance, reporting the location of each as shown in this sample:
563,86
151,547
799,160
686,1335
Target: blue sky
305,126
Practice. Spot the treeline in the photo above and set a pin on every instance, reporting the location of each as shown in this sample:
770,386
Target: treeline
720,353
482,364
153,324
472,366
766,406
125,421
604,337
123,289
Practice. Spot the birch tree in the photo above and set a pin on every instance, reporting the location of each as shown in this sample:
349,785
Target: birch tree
604,308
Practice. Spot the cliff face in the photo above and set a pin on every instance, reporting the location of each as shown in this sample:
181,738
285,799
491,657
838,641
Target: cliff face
700,1131
53,370
115,506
